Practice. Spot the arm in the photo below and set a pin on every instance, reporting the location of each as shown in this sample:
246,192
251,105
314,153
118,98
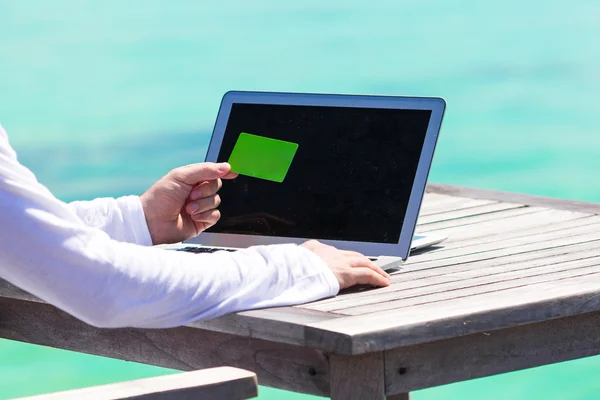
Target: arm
47,250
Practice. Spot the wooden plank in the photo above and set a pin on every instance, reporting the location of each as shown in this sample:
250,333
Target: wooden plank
458,317
527,248
357,377
461,284
430,196
417,276
511,224
431,268
430,207
547,256
507,227
454,203
519,198
434,198
490,353
511,242
213,383
468,221
282,324
515,230
448,215
279,365
469,287
402,288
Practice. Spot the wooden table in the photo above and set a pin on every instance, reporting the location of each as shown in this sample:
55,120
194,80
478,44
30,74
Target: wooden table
517,285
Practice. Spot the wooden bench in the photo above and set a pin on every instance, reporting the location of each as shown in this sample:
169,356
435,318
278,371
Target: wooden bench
209,384
517,285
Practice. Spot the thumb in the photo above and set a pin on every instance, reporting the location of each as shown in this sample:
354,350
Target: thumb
192,174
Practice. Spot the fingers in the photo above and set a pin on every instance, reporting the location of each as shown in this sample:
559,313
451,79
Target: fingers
364,271
192,174
366,276
208,218
360,261
204,204
206,189
354,259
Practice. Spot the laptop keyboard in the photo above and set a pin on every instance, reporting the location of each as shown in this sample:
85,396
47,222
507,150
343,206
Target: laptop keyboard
198,250
204,250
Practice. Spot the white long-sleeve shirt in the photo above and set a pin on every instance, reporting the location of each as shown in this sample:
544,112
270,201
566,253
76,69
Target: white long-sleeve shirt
94,260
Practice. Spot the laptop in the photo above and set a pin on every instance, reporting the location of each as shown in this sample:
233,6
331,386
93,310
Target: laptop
347,170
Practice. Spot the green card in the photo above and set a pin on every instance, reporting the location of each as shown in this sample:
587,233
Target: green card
262,157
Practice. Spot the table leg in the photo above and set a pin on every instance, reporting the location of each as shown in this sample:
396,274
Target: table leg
357,377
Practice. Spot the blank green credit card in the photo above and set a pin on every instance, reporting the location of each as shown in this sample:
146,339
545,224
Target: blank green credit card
262,157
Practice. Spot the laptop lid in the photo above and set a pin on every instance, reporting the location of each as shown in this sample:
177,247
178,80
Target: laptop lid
349,170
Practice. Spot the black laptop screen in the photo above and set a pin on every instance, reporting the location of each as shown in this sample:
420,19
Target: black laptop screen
350,178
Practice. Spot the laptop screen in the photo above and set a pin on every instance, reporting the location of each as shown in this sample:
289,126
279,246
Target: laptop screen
348,175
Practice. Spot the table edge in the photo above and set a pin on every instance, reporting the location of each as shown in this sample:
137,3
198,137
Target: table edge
512,197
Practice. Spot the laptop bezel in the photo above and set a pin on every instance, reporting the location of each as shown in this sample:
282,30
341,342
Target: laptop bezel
402,248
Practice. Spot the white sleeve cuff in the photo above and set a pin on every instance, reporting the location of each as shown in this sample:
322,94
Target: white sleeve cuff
133,216
334,286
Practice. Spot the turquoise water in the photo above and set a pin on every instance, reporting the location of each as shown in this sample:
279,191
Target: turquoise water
102,98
